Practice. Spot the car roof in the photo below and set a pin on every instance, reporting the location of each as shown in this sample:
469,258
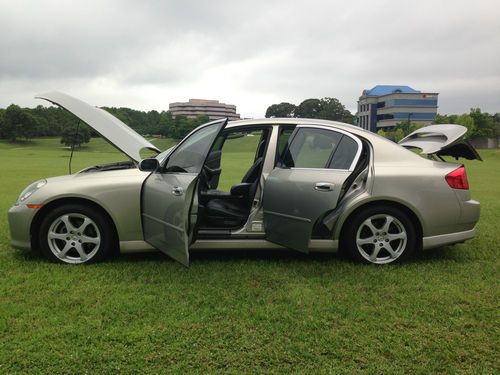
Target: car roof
302,121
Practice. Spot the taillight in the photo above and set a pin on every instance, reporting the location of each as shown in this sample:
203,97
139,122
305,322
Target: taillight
457,179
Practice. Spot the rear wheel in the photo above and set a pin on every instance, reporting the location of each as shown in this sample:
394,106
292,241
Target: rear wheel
76,234
380,235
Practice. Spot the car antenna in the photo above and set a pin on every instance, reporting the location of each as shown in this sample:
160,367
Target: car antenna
73,146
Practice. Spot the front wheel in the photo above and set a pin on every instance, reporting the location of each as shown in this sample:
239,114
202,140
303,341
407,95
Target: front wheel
75,234
380,235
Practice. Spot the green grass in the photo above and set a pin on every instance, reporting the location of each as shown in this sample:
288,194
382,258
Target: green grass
247,312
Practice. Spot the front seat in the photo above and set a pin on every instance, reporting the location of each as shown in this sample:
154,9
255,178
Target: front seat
234,210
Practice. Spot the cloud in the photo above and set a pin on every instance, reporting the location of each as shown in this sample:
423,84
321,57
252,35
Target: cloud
252,54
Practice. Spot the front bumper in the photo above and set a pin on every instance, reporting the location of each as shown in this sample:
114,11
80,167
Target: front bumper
20,218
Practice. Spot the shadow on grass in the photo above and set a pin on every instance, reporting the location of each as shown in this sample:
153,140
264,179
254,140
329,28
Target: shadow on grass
447,253
232,255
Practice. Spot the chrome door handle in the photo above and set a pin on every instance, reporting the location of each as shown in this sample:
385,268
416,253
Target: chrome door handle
323,186
177,190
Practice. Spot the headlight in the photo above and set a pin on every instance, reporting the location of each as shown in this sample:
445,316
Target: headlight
30,190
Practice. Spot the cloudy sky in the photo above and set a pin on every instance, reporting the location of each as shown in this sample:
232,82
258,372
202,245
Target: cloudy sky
145,54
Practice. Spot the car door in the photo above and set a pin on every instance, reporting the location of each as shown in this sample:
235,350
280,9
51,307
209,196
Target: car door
307,182
169,199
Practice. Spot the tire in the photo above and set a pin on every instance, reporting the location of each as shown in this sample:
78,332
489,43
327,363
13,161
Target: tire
76,234
379,235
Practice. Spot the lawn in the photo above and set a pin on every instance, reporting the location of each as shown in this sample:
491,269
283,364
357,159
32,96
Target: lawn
246,312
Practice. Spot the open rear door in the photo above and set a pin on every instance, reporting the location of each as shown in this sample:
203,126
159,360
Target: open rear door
169,204
441,140
307,183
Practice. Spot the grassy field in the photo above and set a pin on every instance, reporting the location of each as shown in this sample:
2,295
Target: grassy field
247,312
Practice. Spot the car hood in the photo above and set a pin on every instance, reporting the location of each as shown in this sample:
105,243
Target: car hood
442,140
108,126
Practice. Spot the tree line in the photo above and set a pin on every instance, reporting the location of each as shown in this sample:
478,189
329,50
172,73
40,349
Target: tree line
18,123
325,109
479,125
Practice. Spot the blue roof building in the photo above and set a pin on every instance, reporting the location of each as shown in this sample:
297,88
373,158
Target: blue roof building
384,106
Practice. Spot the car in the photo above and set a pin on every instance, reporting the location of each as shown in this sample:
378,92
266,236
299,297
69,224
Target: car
307,185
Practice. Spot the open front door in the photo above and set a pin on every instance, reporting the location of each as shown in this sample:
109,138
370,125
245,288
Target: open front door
307,183
169,204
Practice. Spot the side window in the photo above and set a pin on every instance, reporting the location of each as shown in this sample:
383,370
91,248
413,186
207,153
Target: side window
344,154
191,154
311,148
284,135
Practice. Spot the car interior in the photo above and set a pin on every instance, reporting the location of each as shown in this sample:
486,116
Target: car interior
230,209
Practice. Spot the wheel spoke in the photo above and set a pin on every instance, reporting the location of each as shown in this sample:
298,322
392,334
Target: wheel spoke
391,251
388,222
396,236
84,225
67,223
374,254
87,239
370,225
57,236
81,252
67,247
366,241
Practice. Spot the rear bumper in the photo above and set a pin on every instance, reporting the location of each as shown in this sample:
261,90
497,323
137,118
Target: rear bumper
20,218
447,239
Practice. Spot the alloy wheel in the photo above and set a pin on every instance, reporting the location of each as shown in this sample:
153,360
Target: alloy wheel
381,239
74,238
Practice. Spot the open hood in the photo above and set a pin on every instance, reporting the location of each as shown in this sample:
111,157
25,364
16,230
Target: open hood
115,131
441,140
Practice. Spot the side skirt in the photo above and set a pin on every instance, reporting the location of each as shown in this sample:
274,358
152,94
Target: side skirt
319,246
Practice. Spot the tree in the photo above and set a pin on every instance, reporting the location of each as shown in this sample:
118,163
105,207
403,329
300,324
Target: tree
283,109
407,127
333,109
398,134
71,137
309,108
467,121
484,124
2,111
441,119
17,123
326,109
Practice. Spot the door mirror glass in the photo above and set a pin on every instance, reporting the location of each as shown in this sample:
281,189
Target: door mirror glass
149,165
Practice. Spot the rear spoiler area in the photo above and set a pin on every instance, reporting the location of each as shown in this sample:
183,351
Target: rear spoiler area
441,140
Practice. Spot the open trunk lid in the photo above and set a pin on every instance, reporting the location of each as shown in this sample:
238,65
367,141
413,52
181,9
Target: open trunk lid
441,140
112,129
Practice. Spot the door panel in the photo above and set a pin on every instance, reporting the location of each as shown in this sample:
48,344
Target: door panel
212,169
165,224
293,201
169,196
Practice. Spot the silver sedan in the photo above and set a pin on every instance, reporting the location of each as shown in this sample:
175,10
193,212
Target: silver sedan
312,185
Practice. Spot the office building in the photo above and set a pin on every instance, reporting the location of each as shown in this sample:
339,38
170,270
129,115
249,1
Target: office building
384,106
198,107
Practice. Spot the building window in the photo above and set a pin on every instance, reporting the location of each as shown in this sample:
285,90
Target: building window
405,116
414,102
385,116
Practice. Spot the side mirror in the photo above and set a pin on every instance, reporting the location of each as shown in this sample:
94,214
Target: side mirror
149,165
